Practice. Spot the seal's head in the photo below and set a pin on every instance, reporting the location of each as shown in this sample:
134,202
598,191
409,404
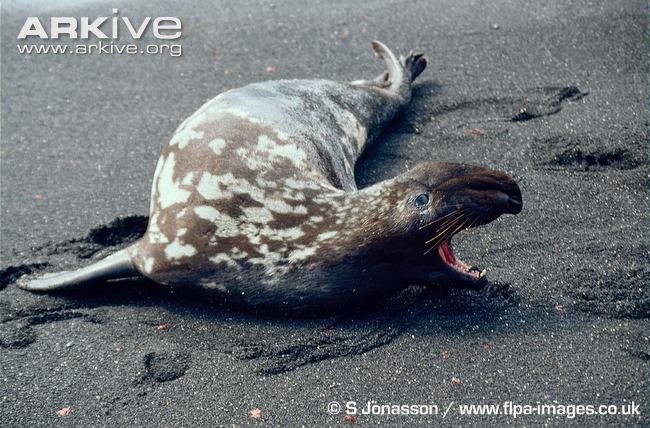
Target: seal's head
433,202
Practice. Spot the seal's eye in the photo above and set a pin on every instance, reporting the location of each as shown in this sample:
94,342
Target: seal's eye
421,200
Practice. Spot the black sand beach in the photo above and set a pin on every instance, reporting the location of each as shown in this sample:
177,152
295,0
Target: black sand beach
554,93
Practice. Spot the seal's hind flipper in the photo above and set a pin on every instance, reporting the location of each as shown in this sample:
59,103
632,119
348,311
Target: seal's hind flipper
400,72
115,266
414,64
394,66
383,79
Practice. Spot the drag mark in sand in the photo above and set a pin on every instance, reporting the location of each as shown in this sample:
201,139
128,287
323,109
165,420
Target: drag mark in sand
120,231
164,366
526,105
581,153
552,104
16,330
286,357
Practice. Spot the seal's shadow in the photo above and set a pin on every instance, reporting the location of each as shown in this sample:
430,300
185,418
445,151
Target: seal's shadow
266,342
388,154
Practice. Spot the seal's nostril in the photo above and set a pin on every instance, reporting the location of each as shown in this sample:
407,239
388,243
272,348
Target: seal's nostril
515,204
509,203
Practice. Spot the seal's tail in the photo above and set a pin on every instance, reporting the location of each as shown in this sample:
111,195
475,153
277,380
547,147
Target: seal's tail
401,72
115,266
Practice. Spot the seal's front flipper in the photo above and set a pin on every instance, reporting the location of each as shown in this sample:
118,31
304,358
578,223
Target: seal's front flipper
115,266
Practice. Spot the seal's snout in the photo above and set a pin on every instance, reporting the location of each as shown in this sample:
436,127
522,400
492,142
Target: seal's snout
497,190
508,192
513,203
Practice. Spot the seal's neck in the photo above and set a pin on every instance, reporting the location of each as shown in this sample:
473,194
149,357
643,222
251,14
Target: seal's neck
373,214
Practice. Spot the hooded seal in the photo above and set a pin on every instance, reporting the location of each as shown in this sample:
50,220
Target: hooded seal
254,196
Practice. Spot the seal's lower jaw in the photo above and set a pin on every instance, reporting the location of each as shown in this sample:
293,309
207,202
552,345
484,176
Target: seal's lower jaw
460,272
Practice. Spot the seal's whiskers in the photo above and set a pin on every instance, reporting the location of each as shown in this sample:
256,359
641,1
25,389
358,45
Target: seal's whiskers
443,234
444,216
446,226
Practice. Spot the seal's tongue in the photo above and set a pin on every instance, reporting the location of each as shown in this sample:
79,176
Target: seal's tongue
446,253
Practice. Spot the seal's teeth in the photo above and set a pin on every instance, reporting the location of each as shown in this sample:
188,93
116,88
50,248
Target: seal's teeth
482,273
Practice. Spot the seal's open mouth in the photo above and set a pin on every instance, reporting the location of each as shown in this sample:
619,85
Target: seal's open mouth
446,254
446,260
